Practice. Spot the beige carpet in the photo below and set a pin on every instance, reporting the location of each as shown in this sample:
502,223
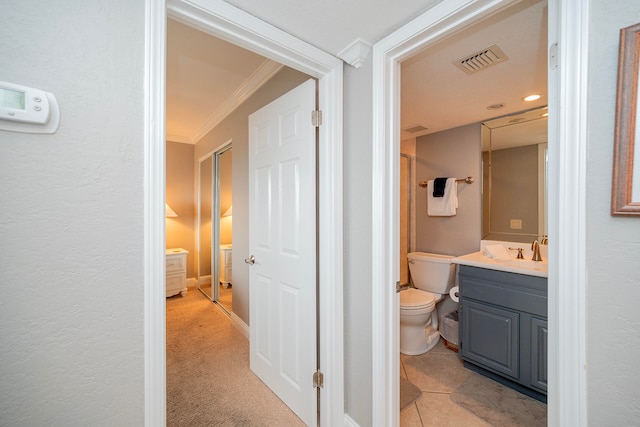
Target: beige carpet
409,393
209,382
499,405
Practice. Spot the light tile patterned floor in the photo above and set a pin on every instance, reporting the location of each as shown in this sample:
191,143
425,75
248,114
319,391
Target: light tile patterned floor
439,372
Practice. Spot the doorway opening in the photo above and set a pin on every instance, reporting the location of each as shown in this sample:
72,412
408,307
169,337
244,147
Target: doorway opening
566,215
227,22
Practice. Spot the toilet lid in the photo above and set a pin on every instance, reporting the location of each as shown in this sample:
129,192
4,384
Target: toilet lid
415,298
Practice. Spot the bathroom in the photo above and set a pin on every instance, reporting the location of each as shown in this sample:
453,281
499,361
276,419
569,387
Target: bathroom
448,136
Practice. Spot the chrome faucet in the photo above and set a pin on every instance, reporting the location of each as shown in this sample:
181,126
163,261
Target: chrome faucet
535,247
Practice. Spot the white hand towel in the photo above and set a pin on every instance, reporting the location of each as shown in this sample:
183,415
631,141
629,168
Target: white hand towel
445,205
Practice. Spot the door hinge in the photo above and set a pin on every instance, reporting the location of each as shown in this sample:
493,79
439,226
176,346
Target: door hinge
553,57
318,379
316,118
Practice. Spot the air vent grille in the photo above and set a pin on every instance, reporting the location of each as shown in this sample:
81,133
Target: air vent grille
480,60
416,128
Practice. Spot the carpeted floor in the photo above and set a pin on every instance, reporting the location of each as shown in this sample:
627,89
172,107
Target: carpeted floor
209,382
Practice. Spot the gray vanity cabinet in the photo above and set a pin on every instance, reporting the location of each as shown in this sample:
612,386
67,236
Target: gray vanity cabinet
503,327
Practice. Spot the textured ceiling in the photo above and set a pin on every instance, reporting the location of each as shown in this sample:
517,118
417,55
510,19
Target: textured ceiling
437,95
332,25
204,73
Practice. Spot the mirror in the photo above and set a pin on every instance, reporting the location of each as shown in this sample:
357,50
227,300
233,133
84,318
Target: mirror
514,164
215,226
224,162
205,232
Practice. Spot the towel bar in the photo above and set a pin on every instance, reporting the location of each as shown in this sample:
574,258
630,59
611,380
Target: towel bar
467,180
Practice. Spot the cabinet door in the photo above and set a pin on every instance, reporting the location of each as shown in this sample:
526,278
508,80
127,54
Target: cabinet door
490,337
539,353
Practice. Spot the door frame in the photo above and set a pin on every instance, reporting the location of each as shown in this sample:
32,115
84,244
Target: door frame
568,25
233,25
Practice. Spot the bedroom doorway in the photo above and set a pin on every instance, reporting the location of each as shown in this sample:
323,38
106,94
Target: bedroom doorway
230,24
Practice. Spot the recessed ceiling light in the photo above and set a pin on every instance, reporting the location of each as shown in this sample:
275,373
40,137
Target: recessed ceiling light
495,106
544,114
517,120
531,98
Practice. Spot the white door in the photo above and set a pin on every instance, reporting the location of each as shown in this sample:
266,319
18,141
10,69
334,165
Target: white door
282,242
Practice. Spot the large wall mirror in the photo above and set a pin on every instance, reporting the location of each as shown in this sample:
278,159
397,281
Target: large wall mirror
215,226
514,163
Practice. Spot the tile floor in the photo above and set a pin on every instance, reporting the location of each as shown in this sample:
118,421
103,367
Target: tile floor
455,396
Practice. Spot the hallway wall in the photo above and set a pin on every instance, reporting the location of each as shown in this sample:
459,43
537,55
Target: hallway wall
72,224
612,243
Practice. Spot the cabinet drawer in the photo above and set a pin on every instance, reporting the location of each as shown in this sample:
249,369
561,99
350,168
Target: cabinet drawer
516,291
176,264
175,283
490,337
226,257
539,339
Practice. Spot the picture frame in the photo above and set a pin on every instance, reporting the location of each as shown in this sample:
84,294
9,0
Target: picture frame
625,198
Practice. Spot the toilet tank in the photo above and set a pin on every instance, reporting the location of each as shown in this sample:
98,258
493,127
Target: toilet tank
433,273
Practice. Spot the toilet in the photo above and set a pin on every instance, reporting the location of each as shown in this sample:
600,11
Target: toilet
433,275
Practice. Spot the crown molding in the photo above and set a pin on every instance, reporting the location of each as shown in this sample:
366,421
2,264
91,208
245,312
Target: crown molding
259,77
355,53
179,138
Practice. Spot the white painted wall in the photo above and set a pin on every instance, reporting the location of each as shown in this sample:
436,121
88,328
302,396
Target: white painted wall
71,229
357,242
613,243
453,153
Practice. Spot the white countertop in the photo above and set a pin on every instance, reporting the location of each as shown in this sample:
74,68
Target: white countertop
519,266
171,251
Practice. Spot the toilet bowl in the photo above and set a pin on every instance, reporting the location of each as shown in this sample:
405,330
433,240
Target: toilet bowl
433,276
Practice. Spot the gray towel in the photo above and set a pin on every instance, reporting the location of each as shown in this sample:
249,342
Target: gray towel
438,186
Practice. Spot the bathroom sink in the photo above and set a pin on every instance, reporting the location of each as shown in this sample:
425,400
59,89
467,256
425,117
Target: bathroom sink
519,266
525,263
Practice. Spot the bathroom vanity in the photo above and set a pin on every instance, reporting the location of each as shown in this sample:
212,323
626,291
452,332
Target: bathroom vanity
503,325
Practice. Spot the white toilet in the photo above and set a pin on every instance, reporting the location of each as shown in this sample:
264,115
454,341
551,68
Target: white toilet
433,275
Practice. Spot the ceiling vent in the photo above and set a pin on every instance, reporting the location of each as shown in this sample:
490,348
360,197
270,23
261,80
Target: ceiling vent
416,129
480,60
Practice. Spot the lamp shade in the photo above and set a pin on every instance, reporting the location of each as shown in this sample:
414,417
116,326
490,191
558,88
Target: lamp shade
169,213
228,212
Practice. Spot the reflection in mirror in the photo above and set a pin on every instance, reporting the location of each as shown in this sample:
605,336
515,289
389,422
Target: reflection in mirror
204,221
224,162
514,159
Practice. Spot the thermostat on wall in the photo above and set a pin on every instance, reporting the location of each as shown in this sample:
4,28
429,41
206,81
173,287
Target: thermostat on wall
29,110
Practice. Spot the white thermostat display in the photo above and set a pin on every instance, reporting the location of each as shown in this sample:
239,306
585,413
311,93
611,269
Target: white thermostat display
25,109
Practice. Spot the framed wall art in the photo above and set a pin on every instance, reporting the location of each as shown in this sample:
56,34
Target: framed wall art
625,198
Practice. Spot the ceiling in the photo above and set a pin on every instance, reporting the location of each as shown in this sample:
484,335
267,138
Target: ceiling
207,77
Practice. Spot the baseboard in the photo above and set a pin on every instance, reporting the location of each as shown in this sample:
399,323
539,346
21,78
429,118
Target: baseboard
191,282
205,280
240,325
349,422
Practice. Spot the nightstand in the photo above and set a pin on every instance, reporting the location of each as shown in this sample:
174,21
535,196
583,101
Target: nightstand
225,265
176,270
